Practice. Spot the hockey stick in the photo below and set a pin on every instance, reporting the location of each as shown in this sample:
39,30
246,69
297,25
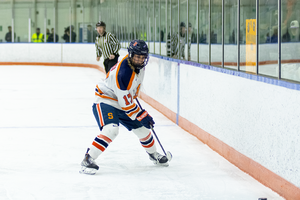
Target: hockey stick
168,154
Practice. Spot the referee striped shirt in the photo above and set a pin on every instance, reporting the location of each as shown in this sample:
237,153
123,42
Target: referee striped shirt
107,45
178,44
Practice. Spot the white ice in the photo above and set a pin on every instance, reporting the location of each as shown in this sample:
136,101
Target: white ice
46,124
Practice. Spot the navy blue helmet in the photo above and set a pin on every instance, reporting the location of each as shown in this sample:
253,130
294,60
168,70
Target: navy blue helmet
138,47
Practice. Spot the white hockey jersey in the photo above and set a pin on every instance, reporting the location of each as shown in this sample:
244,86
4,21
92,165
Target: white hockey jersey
120,88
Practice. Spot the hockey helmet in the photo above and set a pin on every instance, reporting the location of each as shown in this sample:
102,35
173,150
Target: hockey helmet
138,47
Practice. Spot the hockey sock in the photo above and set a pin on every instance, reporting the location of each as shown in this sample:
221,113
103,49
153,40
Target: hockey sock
101,142
146,139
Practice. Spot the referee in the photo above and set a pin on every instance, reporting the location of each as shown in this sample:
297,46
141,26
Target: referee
106,45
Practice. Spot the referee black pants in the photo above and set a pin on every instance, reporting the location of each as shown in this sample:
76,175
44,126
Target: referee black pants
108,64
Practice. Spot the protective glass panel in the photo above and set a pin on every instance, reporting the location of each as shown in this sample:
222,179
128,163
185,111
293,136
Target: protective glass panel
174,29
21,15
156,27
216,33
248,36
203,31
6,22
290,46
163,26
143,20
192,30
151,25
168,27
182,45
63,21
268,38
230,34
86,16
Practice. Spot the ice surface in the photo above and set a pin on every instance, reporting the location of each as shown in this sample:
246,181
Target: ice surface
46,124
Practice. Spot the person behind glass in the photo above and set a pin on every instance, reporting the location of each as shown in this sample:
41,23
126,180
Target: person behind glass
91,34
47,34
268,38
38,36
190,38
162,34
8,35
294,29
178,43
73,39
232,38
67,34
107,45
51,36
274,38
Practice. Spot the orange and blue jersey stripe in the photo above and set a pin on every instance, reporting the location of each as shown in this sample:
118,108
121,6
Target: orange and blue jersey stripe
148,141
124,75
99,115
99,93
132,109
101,142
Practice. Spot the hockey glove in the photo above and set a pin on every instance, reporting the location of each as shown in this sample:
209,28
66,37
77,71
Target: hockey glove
145,119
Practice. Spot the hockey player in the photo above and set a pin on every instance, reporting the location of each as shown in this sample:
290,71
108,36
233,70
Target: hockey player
114,104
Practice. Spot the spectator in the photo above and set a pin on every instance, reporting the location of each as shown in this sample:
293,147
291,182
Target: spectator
268,38
232,38
192,34
202,38
91,35
274,38
8,35
143,36
162,36
47,34
213,37
67,34
37,37
190,40
51,36
286,37
73,39
294,28
242,41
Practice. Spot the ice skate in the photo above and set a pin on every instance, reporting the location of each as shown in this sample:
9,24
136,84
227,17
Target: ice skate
158,159
88,165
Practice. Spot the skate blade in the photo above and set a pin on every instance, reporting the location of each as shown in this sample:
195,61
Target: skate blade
89,171
161,164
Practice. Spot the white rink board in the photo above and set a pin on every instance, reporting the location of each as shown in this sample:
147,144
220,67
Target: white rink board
161,82
257,119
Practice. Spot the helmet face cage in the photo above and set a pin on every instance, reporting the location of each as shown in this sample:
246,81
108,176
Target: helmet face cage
138,47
